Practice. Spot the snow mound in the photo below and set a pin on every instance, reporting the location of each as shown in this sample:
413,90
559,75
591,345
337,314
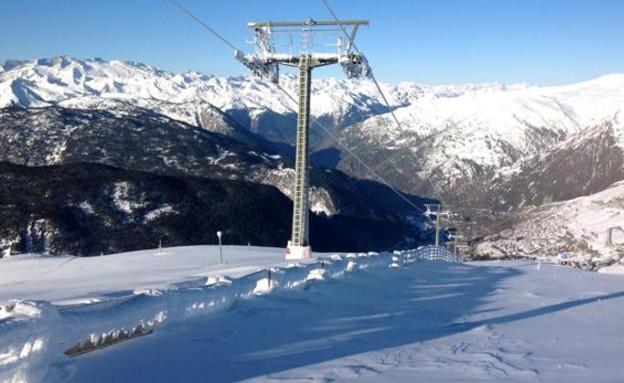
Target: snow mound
350,266
15,355
264,286
218,281
396,261
19,310
149,292
613,269
316,275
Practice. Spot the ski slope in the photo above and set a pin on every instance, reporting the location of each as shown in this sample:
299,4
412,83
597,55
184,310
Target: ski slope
74,280
355,317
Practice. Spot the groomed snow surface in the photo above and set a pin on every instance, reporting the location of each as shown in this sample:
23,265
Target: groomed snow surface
334,318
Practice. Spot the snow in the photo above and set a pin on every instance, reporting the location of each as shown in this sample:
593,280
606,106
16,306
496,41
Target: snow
18,310
482,125
613,269
263,286
152,215
422,321
547,229
321,201
86,207
63,279
16,355
316,275
489,125
120,198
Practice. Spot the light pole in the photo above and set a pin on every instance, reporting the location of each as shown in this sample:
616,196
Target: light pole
219,235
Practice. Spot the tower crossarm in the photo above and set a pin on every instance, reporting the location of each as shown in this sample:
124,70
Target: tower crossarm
306,23
316,60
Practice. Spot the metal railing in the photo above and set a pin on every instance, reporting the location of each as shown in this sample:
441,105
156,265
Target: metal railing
435,253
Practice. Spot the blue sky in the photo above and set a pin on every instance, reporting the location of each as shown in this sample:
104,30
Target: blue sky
442,41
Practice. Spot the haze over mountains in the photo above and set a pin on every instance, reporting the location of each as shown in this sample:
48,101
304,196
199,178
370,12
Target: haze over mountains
493,146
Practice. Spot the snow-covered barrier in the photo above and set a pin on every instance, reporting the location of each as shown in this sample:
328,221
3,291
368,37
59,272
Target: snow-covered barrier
99,341
34,335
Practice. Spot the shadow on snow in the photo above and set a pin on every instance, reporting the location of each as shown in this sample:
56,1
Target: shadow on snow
363,311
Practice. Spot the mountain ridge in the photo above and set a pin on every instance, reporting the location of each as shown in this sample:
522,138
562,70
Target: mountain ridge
502,123
91,209
493,146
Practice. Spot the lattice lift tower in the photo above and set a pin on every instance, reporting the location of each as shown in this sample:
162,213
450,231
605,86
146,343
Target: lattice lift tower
435,210
265,61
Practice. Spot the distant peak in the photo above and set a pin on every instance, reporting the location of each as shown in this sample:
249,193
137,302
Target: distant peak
615,78
10,64
61,61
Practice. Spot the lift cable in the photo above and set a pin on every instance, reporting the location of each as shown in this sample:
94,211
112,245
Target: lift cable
354,155
318,123
435,188
200,22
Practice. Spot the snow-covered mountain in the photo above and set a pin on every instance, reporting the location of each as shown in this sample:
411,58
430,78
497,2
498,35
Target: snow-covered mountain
494,145
138,139
462,135
73,83
259,105
481,133
578,226
587,162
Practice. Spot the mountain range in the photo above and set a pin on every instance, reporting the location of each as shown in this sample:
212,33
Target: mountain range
478,147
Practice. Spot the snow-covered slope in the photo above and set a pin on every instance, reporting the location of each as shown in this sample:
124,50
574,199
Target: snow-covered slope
474,134
71,280
587,162
579,226
88,83
95,83
351,317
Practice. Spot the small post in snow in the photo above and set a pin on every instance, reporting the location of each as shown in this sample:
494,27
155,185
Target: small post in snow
219,235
